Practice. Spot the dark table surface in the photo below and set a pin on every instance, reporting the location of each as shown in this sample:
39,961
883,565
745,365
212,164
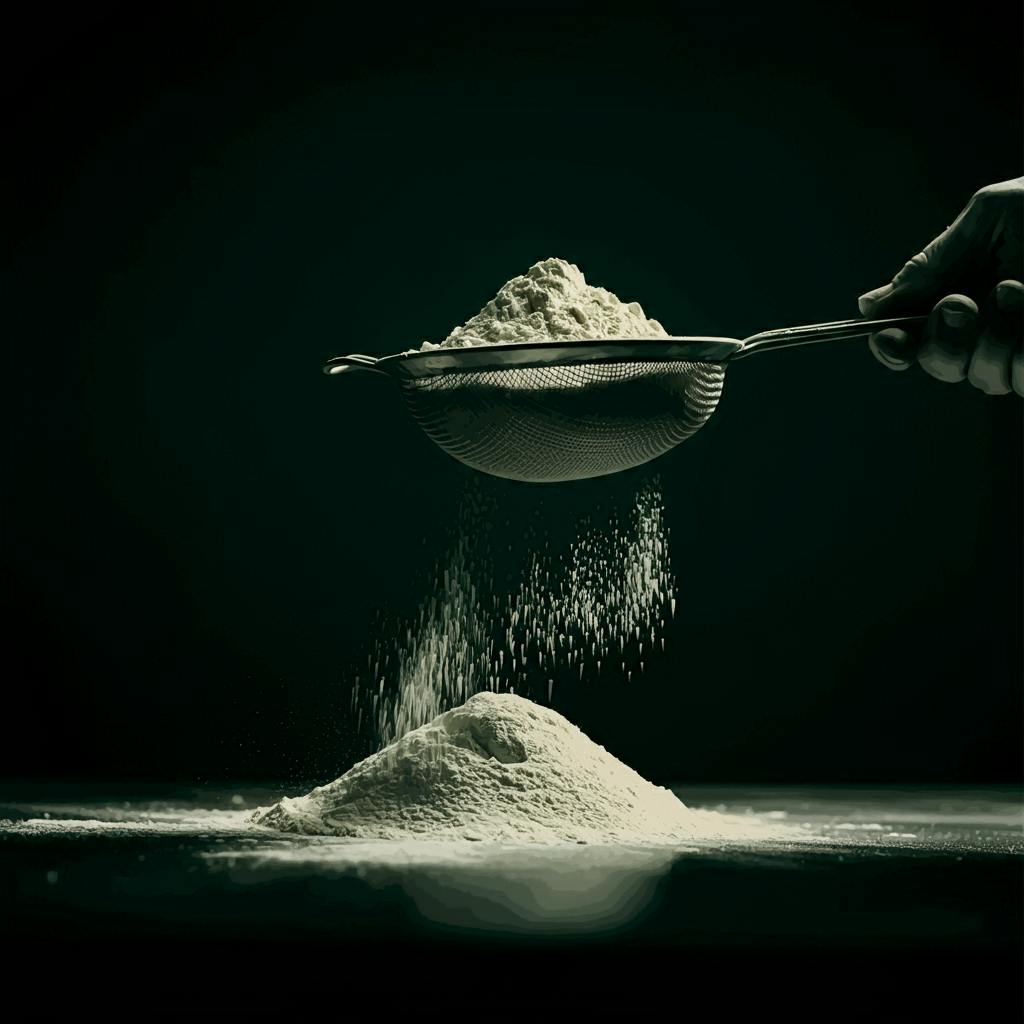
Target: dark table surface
820,902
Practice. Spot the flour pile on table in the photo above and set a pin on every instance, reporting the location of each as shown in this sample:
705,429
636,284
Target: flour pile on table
497,768
552,302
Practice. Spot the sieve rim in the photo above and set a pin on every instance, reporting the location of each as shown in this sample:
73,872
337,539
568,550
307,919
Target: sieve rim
524,355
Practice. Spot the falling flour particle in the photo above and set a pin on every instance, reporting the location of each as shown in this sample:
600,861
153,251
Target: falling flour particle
600,600
497,768
440,657
552,302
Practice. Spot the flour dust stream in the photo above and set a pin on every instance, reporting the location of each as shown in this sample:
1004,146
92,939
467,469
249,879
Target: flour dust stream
593,601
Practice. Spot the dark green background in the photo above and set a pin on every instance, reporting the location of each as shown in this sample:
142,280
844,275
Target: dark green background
199,527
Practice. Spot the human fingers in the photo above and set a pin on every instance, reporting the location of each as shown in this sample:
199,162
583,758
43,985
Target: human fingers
991,367
893,300
987,226
949,337
894,348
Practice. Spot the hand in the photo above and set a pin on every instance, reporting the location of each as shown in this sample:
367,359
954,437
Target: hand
979,253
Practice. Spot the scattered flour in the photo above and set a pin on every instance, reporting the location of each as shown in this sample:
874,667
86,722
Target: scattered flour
500,767
552,302
497,768
596,605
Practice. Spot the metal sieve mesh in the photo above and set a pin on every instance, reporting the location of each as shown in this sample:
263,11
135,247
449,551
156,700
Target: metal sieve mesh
551,423
549,411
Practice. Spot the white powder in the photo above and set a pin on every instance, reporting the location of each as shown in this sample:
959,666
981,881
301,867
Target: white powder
605,603
500,767
596,605
552,302
497,768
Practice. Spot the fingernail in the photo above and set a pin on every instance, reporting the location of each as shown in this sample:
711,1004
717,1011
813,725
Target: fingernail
956,316
890,361
1008,297
892,350
867,301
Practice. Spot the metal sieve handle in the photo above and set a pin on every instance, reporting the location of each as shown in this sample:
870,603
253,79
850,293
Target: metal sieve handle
345,364
811,334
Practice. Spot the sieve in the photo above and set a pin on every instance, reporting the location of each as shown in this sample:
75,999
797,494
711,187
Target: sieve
544,412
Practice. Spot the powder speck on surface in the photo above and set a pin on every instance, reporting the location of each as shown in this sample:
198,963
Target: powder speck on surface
552,302
497,768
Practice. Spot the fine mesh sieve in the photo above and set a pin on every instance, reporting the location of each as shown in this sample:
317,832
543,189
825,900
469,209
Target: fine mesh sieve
546,412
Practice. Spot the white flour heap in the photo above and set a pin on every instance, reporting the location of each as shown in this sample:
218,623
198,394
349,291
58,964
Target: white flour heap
497,768
552,302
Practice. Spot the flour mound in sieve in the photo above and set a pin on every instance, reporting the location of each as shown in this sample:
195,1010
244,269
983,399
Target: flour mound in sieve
552,302
499,767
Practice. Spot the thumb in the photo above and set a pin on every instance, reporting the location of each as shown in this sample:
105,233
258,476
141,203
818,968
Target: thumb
938,266
908,292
